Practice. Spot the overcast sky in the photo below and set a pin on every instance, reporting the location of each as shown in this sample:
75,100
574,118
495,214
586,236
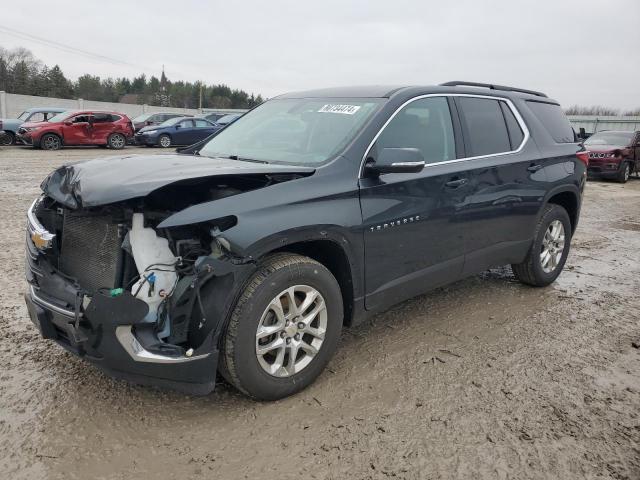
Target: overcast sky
579,52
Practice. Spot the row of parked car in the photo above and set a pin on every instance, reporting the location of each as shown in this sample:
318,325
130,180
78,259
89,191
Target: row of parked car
53,128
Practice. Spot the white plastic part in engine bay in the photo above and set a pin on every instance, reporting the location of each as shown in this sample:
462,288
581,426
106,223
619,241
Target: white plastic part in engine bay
155,264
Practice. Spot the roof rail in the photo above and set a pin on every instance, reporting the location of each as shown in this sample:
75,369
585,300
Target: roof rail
492,87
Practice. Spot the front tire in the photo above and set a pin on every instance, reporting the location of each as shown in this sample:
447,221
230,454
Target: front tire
550,248
284,328
50,141
164,140
116,141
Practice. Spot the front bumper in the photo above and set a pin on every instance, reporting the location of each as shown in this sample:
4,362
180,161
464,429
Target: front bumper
605,168
109,332
141,139
24,137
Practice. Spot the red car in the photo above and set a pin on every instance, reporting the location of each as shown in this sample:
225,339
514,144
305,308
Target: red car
105,129
614,154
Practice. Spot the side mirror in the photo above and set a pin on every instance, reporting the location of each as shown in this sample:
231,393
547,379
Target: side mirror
396,160
178,126
68,123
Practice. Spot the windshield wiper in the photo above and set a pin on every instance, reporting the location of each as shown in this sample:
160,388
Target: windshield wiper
243,159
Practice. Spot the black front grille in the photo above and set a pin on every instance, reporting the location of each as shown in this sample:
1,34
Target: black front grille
90,251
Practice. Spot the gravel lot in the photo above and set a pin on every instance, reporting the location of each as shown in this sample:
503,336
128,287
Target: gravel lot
484,379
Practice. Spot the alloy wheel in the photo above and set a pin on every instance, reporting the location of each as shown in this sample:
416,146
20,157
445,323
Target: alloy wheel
552,247
165,141
117,141
291,331
51,142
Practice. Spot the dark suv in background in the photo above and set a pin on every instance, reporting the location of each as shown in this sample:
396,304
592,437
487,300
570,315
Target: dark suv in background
312,211
148,119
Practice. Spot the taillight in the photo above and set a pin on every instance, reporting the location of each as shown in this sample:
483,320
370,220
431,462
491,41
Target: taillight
583,157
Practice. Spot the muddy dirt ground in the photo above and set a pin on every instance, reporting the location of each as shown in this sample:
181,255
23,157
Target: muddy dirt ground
483,379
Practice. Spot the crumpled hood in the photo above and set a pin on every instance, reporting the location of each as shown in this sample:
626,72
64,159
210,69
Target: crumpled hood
113,179
35,124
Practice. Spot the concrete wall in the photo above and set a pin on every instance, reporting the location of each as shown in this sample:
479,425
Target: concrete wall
597,123
12,105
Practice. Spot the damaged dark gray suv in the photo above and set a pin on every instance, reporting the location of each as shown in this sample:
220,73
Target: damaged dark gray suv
247,253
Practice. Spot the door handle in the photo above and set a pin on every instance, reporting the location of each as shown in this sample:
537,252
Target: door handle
534,168
456,183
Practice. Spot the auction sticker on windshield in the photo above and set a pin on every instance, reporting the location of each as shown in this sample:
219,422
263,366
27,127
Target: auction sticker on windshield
344,109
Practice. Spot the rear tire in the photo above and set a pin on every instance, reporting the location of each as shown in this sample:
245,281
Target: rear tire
116,141
271,350
50,141
164,140
534,271
7,138
624,173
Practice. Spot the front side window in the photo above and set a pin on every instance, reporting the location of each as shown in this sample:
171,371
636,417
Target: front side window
424,124
186,124
81,119
485,126
296,131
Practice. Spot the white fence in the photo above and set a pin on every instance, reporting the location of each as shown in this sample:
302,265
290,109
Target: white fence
12,105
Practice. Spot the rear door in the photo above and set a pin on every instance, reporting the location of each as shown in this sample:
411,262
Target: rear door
506,183
202,129
103,126
77,130
412,242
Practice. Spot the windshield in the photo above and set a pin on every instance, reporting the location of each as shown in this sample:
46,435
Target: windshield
293,131
23,115
142,118
610,138
61,116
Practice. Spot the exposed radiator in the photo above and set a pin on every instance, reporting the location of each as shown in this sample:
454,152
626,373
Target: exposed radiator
90,251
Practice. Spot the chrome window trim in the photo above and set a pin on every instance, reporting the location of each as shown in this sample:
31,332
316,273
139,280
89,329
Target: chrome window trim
508,101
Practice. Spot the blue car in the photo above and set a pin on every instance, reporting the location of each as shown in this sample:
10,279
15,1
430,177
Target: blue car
176,131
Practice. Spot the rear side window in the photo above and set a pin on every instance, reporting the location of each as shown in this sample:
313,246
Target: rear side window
486,128
516,135
554,121
105,118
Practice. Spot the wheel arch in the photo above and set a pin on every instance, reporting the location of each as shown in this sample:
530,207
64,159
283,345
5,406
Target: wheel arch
330,254
569,199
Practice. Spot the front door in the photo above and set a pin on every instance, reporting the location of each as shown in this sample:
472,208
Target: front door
77,130
184,133
412,242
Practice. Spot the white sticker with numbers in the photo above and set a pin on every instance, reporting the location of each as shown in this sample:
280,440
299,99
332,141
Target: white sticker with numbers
344,109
